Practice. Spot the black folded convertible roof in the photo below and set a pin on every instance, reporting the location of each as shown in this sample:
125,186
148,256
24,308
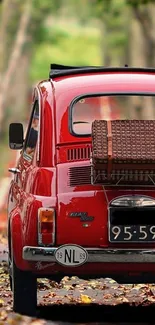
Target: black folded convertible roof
57,70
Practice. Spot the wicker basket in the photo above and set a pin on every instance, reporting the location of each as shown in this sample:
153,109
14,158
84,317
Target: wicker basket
123,152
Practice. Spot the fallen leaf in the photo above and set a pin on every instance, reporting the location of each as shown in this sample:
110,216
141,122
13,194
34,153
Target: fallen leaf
86,299
1,303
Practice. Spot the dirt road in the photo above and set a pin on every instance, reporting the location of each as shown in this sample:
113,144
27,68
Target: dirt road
77,300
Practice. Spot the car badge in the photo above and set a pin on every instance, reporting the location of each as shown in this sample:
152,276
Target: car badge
82,215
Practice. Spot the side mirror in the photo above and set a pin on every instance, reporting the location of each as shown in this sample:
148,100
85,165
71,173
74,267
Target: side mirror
16,136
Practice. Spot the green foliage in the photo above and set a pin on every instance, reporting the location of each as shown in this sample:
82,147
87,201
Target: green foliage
137,3
104,8
70,44
40,11
114,17
74,39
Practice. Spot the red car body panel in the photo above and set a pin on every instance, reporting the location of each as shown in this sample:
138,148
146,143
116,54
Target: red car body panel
44,181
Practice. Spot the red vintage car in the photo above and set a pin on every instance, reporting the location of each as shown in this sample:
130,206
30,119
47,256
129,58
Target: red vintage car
66,215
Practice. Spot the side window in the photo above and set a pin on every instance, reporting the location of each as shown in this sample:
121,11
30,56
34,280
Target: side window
32,135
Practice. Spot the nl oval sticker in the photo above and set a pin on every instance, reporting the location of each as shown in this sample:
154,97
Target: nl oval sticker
71,255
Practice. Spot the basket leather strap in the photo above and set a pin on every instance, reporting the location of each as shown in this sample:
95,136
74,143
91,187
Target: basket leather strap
109,137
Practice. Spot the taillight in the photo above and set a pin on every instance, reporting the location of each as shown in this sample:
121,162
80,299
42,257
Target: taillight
46,226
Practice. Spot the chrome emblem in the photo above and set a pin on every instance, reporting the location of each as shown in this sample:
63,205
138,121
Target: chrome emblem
82,215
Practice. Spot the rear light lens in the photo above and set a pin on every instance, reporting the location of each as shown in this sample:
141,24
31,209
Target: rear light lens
46,226
133,201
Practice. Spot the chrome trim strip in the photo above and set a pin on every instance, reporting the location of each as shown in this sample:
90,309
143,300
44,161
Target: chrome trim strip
40,107
95,255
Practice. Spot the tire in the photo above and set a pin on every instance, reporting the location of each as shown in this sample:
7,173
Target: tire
24,286
9,270
9,258
10,281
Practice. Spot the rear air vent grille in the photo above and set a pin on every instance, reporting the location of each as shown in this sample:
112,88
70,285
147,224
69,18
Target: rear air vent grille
79,175
78,153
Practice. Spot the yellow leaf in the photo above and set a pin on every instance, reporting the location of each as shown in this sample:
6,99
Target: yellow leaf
68,287
112,281
151,299
86,299
1,303
3,315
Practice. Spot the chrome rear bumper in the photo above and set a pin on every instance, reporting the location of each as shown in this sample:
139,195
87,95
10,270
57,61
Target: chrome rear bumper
95,255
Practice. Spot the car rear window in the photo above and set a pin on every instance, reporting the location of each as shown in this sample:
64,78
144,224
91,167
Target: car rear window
91,108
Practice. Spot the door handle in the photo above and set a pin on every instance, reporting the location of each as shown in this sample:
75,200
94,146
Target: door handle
14,170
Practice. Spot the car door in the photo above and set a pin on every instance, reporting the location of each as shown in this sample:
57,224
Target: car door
27,164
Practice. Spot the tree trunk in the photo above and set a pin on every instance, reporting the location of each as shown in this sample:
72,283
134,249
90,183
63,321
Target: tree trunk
19,104
105,53
14,58
142,47
5,17
145,17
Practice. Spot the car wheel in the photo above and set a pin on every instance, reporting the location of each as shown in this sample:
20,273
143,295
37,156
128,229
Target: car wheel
9,259
10,272
24,286
10,281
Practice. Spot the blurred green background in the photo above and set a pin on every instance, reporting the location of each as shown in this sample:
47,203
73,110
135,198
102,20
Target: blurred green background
35,33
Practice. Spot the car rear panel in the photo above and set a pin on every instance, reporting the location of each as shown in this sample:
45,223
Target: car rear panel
82,213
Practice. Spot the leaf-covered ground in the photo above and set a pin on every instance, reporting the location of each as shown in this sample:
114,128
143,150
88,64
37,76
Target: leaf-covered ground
73,291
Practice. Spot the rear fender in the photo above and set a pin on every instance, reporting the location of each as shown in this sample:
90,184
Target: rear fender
16,240
24,228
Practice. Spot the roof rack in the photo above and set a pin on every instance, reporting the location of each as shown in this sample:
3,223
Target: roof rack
58,70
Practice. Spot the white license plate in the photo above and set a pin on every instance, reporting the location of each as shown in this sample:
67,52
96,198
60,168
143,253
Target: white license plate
132,233
71,255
